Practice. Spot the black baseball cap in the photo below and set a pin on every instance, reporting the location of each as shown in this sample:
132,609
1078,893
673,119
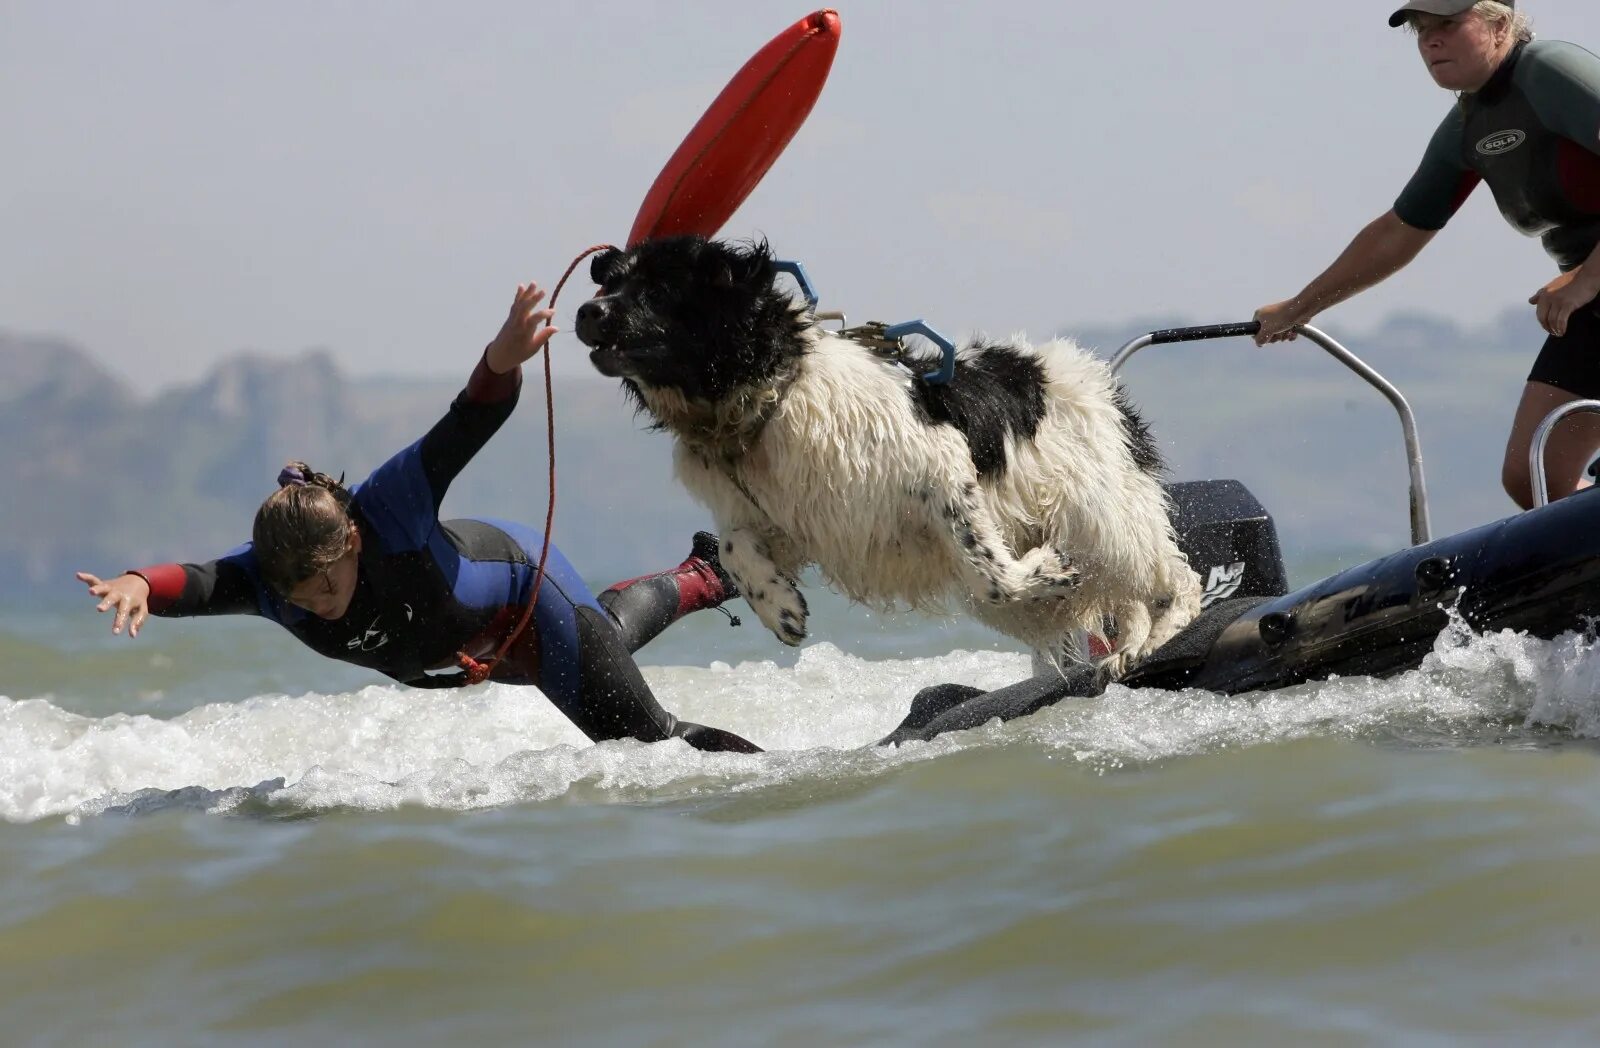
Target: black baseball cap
1438,7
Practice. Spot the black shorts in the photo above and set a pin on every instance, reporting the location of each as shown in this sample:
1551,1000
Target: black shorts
1572,362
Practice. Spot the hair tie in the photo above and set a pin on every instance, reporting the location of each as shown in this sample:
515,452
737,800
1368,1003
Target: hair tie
291,476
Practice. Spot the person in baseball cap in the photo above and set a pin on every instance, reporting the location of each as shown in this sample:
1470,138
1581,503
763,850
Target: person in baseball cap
1525,118
1438,7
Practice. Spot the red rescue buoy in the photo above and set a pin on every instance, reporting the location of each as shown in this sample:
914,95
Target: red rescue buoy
741,134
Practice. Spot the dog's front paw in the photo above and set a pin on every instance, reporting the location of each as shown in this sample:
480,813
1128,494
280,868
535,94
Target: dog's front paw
781,606
773,596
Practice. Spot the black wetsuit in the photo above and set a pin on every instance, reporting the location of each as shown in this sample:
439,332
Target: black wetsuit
1533,134
427,589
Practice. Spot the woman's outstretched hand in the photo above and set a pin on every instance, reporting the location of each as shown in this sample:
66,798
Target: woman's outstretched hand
1555,303
128,594
526,331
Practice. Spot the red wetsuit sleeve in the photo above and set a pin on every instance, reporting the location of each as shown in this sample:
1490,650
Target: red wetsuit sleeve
166,584
486,386
227,586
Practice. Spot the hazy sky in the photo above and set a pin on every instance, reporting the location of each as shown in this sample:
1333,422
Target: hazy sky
180,181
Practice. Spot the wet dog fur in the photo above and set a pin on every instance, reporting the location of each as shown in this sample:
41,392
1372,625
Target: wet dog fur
1027,489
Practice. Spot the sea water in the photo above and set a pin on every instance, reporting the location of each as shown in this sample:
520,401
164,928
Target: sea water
213,836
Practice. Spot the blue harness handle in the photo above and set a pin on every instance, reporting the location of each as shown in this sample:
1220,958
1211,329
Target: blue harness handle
947,349
798,271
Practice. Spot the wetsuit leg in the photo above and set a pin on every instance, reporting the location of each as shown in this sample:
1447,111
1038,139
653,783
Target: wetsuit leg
614,702
641,608
576,656
1572,361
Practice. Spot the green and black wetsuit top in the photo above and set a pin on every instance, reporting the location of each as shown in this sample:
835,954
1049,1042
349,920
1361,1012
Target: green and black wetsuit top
1533,134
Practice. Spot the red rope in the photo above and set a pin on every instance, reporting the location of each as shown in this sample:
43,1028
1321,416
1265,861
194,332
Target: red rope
478,672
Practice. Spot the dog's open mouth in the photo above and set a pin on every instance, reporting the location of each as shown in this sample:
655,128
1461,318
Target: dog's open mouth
609,360
607,355
614,360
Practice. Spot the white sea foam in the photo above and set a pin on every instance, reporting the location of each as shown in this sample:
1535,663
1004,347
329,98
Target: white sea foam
383,747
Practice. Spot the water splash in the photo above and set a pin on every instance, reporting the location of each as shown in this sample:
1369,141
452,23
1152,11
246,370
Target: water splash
384,747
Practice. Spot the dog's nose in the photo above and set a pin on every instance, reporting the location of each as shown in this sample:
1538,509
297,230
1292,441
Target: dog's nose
592,317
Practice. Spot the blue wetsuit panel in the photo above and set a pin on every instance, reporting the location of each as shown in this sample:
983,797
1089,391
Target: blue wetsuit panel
554,616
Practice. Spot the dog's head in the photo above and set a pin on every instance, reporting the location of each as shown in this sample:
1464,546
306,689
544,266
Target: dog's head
702,318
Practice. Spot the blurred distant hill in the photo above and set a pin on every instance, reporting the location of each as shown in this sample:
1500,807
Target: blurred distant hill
98,479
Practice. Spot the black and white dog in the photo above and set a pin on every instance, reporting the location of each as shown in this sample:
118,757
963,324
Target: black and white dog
1027,487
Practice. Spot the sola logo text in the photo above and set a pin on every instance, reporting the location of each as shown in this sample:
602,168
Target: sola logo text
1501,142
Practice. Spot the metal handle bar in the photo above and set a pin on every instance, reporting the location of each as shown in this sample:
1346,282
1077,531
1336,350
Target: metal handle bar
1541,437
1196,334
1421,529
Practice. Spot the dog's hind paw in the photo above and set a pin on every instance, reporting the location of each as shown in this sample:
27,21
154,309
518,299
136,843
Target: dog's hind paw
1041,576
1117,666
1050,575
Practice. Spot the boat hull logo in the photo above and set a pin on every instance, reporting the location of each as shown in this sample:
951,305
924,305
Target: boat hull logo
1223,582
1501,142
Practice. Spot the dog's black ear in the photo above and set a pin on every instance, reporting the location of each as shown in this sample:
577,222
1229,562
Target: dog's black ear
752,264
716,262
603,265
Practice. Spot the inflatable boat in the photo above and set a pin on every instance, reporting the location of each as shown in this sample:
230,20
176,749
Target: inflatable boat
1537,571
